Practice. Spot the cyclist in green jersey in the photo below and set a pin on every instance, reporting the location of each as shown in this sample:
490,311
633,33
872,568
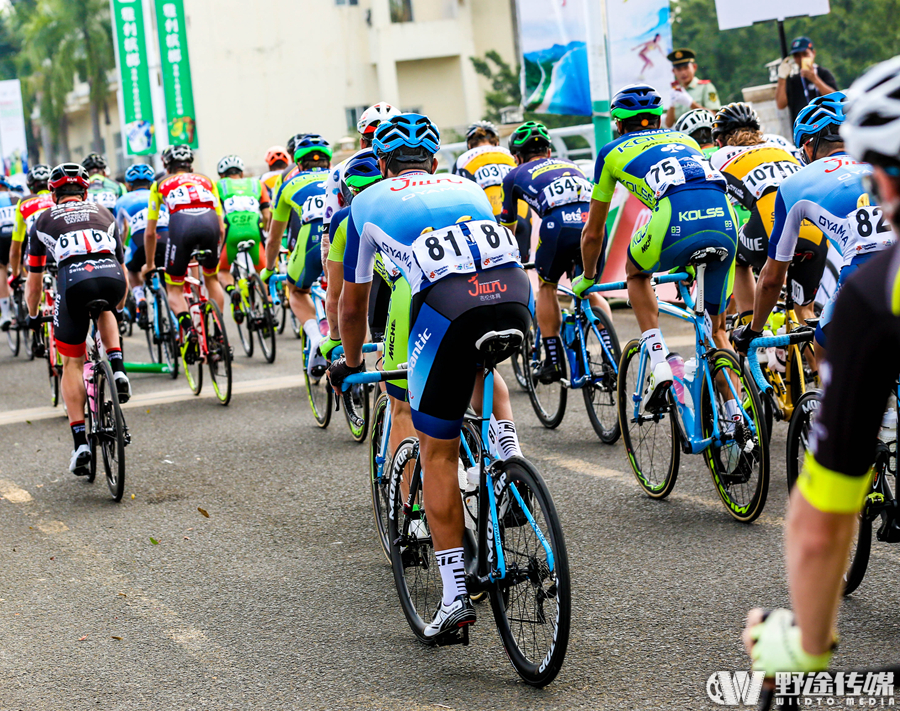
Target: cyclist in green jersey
245,202
101,188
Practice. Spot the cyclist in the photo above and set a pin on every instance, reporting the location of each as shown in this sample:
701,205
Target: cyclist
27,212
8,203
754,168
195,222
858,379
559,193
103,189
277,159
303,195
666,171
829,192
245,202
84,240
131,216
487,163
441,232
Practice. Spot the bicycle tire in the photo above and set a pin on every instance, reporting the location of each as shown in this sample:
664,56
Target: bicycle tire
244,328
265,319
319,394
550,405
380,483
54,364
296,326
27,344
603,384
537,577
360,395
798,433
193,372
415,570
154,341
110,433
218,353
744,503
656,481
168,329
860,551
13,339
521,359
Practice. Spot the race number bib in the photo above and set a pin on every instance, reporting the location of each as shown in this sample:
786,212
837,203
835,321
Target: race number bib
7,216
106,198
869,229
769,175
440,253
138,221
496,244
664,175
240,203
566,190
313,208
81,242
489,175
193,195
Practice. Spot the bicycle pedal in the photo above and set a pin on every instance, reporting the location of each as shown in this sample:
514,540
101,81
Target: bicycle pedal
457,636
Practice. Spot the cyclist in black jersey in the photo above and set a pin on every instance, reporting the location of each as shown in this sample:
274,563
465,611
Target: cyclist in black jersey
858,374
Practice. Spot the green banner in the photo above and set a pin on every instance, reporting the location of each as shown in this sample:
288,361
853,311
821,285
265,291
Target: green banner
176,72
134,77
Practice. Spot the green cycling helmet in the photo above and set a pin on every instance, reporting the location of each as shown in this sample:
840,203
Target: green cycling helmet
530,134
311,143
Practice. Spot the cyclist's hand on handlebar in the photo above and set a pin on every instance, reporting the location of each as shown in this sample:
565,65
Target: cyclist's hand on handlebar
14,281
146,269
773,641
339,370
328,345
266,274
742,336
582,284
34,322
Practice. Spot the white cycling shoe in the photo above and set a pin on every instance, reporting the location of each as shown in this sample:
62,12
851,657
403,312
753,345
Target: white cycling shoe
123,387
458,613
81,460
660,381
317,364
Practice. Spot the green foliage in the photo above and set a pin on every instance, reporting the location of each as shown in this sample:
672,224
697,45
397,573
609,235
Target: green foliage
854,35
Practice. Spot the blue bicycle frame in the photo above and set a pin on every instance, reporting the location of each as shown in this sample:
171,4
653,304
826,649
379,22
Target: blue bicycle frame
156,286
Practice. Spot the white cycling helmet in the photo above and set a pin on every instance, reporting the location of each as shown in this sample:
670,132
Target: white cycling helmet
230,163
871,131
373,116
694,120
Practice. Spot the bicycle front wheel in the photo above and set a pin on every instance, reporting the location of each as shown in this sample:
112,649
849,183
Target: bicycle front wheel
263,318
13,338
798,434
244,321
521,360
218,353
652,440
600,391
54,364
380,472
532,604
740,466
168,347
360,396
318,390
110,430
547,400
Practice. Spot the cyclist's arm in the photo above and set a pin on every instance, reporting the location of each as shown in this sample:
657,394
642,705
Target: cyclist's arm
220,212
592,236
334,268
273,242
782,242
154,204
508,216
265,206
37,258
768,289
359,256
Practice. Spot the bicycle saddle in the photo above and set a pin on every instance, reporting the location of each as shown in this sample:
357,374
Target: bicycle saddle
708,255
499,345
246,245
97,307
199,254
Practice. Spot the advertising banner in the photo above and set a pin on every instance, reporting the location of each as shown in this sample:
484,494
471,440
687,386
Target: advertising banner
13,144
176,72
733,14
134,77
640,35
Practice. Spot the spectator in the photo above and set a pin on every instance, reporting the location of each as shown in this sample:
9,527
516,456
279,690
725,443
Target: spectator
800,79
688,92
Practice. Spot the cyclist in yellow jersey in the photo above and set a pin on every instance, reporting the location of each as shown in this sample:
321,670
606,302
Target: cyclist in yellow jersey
277,159
27,212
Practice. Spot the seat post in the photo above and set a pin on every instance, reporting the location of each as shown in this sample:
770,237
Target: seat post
699,301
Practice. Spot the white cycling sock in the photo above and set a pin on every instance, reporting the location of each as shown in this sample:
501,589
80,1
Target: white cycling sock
656,347
732,411
312,331
453,573
503,438
138,292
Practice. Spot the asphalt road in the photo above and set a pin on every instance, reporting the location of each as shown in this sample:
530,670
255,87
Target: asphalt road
282,599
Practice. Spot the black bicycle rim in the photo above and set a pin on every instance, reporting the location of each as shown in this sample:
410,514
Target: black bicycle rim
218,355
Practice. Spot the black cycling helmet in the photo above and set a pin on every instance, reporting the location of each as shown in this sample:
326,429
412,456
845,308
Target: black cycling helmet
69,179
531,137
38,175
95,161
734,116
292,142
177,154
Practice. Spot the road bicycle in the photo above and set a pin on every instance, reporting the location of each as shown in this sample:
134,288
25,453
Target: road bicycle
592,354
211,346
515,550
162,326
129,315
253,313
281,310
18,335
693,419
44,342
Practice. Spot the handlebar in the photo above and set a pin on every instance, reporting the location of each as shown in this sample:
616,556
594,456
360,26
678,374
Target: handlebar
373,376
367,348
274,281
801,335
619,285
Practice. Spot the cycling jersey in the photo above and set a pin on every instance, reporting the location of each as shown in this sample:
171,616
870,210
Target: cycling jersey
272,180
104,191
334,198
131,216
8,203
27,212
304,195
188,192
487,166
72,230
544,184
243,200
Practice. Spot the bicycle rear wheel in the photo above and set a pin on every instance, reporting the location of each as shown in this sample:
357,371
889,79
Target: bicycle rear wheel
798,434
318,391
13,338
548,401
521,359
740,467
192,364
168,348
651,440
360,396
218,354
245,323
54,363
263,318
600,393
380,473
110,430
532,604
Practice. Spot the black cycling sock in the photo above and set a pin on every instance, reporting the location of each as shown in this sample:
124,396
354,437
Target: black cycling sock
553,348
116,360
185,321
78,433
229,288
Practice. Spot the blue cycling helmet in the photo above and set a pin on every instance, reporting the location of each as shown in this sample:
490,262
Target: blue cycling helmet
635,99
139,171
817,116
312,145
413,131
360,172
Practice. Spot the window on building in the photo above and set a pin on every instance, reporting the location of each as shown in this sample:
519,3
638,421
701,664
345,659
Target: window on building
401,11
120,161
353,113
346,2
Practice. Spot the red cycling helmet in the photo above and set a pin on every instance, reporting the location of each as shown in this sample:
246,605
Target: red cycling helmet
275,154
68,174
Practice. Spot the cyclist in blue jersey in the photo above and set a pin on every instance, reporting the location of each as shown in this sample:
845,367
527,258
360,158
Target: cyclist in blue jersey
466,281
667,171
131,216
828,192
558,191
8,202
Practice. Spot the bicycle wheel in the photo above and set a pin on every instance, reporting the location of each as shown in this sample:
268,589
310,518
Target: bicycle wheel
548,401
218,354
13,338
244,325
532,604
600,392
192,364
360,396
54,363
154,342
296,326
860,550
521,359
263,318
798,433
653,441
740,467
168,330
317,390
110,430
415,569
380,473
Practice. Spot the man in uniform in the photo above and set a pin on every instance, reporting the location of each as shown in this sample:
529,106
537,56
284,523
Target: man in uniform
800,79
688,92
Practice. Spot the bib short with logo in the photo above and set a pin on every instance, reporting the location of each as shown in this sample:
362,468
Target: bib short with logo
559,243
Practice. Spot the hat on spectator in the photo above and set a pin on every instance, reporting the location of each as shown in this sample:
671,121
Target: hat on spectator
681,56
801,44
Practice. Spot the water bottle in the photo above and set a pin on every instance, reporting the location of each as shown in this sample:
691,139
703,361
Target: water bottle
780,360
88,375
568,329
676,363
690,370
768,354
888,432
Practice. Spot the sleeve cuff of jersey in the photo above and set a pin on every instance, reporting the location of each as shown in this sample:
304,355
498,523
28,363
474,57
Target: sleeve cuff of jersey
831,491
600,194
510,225
38,262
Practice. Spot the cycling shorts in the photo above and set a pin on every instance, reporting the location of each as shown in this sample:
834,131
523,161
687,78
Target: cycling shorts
305,264
81,280
135,256
448,319
292,232
187,232
379,306
233,237
5,244
680,225
396,335
559,245
828,310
